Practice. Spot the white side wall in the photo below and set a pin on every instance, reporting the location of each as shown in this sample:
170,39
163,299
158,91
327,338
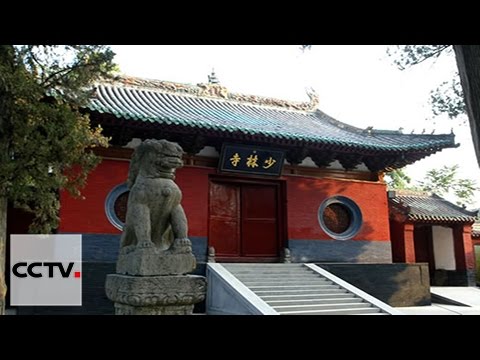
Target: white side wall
443,248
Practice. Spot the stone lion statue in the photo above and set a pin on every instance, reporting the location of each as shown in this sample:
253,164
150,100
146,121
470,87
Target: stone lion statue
155,217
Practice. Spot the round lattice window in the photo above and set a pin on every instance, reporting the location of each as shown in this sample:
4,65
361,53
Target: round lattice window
340,217
116,205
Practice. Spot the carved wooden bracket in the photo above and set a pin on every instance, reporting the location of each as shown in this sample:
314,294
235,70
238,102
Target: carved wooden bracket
349,161
192,144
295,156
322,158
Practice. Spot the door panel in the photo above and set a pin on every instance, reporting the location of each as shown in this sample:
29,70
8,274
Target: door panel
422,239
224,224
243,220
259,221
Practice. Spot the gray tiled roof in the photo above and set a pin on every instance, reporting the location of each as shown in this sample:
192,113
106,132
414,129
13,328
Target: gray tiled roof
192,106
428,207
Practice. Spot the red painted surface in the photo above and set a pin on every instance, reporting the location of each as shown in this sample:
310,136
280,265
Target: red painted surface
193,181
244,219
409,240
305,195
224,225
88,215
464,251
259,221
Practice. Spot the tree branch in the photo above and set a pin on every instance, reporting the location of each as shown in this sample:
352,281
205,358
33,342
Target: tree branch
433,54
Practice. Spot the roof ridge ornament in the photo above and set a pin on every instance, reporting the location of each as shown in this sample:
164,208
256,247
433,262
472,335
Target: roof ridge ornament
212,78
212,89
313,96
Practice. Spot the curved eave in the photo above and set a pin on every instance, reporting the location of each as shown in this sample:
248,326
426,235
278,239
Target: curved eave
427,148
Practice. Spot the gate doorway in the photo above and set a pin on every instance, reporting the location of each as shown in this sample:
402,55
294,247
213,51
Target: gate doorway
246,219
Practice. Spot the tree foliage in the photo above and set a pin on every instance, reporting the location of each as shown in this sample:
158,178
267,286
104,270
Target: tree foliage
43,134
443,182
398,179
447,98
405,56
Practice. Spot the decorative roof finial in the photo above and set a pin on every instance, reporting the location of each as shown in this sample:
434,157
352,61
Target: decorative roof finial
313,96
212,79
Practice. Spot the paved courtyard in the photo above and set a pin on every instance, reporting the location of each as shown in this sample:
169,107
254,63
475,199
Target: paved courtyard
469,296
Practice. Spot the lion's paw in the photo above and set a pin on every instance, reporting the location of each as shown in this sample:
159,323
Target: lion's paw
127,249
182,246
145,244
183,242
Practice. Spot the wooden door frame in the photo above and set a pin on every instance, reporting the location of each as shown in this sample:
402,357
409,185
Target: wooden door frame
429,241
282,226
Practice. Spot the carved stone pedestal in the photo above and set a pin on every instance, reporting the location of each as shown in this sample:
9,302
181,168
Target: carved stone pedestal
151,261
155,295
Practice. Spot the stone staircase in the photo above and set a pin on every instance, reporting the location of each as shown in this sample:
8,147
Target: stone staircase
304,289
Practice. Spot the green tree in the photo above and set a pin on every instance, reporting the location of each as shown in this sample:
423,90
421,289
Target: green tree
442,182
447,98
445,181
457,96
398,179
43,133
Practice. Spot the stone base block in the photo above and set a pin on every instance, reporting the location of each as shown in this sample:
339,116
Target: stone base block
155,295
148,262
122,309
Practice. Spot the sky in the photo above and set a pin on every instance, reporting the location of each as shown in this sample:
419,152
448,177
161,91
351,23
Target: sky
356,84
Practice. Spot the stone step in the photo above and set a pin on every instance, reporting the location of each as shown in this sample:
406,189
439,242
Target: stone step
292,287
379,313
280,272
351,311
313,307
296,289
315,296
286,276
263,293
313,301
262,265
285,282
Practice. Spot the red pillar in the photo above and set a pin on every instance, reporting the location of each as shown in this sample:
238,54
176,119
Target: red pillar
464,251
409,244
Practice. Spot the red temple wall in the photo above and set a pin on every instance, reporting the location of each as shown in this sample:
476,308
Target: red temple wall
87,215
304,196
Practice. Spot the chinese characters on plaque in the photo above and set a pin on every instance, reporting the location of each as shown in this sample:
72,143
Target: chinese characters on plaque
251,160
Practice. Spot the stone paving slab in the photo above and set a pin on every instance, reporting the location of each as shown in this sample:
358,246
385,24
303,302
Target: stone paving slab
466,295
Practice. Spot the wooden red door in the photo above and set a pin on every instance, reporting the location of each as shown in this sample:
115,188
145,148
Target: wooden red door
259,221
243,220
224,223
423,242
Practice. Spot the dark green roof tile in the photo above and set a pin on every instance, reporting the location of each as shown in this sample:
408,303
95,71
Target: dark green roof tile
423,207
215,113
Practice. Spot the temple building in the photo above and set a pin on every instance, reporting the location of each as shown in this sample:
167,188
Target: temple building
265,180
427,228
